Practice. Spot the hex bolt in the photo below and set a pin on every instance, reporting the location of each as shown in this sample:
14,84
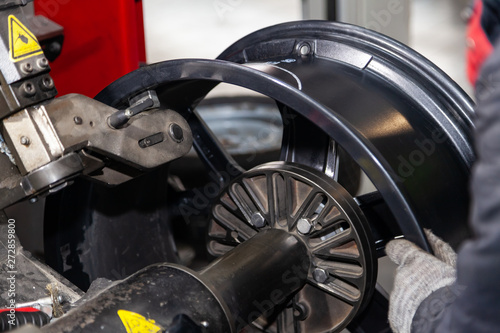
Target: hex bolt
320,275
25,141
27,67
304,226
28,89
258,220
78,120
176,133
42,63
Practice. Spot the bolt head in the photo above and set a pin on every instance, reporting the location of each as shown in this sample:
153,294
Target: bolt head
78,120
258,220
43,63
28,89
25,141
304,226
304,49
47,83
27,67
320,275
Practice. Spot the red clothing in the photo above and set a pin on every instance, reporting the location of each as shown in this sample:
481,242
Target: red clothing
478,45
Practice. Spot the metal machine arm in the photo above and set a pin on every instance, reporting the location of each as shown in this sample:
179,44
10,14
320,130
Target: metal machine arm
46,142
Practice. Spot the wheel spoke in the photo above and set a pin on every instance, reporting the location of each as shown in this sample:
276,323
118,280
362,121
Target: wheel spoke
341,290
331,167
302,201
346,252
325,241
350,272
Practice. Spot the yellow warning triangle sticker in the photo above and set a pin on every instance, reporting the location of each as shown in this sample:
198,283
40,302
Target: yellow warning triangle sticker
135,323
22,42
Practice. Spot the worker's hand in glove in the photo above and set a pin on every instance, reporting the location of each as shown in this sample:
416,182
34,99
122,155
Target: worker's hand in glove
419,274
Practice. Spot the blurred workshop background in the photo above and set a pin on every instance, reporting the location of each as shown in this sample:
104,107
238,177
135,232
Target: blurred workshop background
203,28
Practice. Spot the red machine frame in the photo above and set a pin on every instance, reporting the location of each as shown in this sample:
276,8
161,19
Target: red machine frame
104,40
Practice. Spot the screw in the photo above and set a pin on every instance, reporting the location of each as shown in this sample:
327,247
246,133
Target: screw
48,83
78,120
304,49
25,141
176,133
28,89
304,226
205,324
34,200
320,275
42,63
27,67
258,220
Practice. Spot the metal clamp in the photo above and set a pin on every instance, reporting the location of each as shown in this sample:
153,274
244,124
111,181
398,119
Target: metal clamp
143,102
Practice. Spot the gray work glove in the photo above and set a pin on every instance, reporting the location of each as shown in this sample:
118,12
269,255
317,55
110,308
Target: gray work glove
419,274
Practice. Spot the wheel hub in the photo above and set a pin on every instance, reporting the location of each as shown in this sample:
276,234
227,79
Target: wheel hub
320,212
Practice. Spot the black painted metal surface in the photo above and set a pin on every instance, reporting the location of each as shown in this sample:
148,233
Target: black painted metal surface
234,290
157,294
